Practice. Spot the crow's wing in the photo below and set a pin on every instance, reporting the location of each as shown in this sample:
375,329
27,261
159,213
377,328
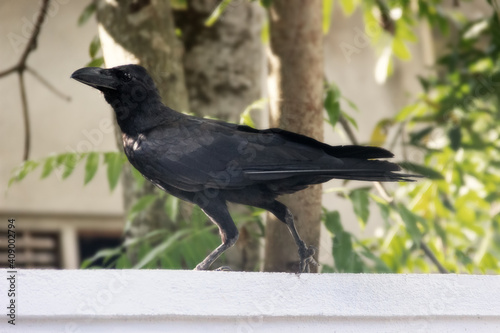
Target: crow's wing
195,153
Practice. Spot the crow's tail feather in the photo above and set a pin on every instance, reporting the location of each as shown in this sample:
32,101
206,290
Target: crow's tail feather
325,175
352,169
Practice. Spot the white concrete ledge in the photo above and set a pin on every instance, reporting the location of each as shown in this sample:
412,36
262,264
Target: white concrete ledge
188,301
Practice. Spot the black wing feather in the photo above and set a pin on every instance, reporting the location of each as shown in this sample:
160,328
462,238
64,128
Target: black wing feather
200,153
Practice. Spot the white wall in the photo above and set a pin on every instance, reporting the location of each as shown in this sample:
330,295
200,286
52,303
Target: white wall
189,301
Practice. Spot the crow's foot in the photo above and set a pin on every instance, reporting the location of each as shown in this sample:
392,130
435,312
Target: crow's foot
306,255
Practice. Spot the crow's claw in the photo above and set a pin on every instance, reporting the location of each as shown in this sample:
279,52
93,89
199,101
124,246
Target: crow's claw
306,255
223,269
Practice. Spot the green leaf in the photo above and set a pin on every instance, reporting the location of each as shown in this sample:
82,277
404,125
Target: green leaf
94,47
198,218
172,207
327,14
342,251
141,205
424,83
332,222
405,112
327,269
178,33
48,167
380,265
410,220
463,258
400,49
418,136
101,254
385,211
69,164
266,3
87,13
350,119
360,202
139,178
97,62
61,158
179,4
143,250
264,33
332,104
114,163
246,118
405,32
350,103
379,134
217,13
455,136
22,171
91,166
161,248
489,261
420,169
123,262
348,6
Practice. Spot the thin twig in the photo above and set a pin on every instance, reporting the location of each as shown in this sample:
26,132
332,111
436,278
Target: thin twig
348,130
396,137
48,84
20,67
9,71
403,143
34,36
27,130
31,45
384,194
433,258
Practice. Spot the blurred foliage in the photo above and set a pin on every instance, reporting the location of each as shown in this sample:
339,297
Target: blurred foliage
64,164
454,127
183,248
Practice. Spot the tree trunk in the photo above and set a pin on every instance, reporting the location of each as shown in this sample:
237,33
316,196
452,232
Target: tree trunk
223,65
142,32
296,90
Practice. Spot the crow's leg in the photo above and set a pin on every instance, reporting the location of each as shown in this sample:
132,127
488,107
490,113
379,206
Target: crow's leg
218,214
306,253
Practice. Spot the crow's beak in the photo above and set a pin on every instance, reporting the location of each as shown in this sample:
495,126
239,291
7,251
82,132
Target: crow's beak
96,77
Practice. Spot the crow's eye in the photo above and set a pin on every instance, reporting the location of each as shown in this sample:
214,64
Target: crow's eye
124,76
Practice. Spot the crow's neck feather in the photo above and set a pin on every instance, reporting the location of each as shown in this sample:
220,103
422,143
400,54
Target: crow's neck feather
136,116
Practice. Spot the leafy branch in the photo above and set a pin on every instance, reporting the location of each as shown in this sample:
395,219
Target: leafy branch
64,164
359,197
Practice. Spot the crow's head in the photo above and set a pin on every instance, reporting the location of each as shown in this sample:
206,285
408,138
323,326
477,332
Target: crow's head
128,89
133,80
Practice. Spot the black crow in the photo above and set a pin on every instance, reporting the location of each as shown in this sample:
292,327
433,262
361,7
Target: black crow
209,162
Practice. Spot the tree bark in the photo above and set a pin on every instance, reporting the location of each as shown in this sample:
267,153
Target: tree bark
142,32
296,90
223,67
223,63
